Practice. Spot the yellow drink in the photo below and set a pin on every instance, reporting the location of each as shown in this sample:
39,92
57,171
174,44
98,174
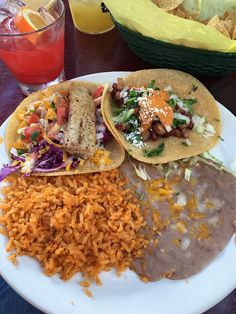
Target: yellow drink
88,16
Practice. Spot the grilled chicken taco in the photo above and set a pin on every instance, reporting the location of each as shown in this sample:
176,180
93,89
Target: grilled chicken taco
162,115
60,131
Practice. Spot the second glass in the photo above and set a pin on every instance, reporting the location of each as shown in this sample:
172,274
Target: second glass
90,16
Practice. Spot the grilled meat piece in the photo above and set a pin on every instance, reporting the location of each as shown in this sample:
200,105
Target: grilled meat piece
80,133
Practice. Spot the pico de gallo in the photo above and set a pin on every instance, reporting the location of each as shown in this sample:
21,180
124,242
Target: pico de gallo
40,136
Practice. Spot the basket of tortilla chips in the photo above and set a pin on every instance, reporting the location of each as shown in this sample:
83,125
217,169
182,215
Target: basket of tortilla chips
191,35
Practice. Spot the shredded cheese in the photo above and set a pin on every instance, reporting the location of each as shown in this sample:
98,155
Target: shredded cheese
81,163
44,150
141,172
51,142
68,165
65,156
101,157
51,114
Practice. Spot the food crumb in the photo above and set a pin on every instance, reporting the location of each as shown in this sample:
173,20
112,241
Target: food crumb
84,284
12,258
1,140
88,292
144,279
170,273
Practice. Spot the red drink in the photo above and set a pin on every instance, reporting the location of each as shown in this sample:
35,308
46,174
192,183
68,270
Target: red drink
35,58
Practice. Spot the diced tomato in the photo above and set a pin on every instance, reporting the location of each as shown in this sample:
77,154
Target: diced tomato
62,111
34,118
98,92
33,133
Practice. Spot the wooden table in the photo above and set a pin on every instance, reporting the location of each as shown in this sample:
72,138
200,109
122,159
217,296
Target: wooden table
85,54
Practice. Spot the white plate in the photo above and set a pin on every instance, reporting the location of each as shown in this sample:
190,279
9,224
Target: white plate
128,295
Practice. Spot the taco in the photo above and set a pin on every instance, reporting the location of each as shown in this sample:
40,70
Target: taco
162,115
60,131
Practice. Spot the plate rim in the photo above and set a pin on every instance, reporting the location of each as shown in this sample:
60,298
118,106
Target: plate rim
94,77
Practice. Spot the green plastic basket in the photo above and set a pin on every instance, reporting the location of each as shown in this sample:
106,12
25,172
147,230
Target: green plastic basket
167,55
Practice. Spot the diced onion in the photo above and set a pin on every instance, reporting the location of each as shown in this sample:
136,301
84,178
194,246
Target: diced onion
213,220
185,243
188,254
168,128
201,208
13,151
180,116
181,200
187,174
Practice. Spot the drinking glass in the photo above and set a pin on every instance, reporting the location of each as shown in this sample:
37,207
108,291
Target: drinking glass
36,58
90,16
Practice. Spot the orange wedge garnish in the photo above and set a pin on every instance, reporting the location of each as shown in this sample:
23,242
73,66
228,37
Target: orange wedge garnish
28,20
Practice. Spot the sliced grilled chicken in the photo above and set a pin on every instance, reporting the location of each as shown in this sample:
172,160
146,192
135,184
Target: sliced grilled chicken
80,133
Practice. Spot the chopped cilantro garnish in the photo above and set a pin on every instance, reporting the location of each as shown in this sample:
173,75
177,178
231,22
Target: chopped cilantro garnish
21,151
189,103
132,94
154,152
152,84
131,99
134,123
172,102
141,197
53,105
22,136
217,120
117,111
129,115
178,122
184,143
221,138
132,102
34,135
124,116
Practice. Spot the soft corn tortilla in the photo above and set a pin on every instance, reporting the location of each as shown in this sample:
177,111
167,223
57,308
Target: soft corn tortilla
182,84
117,152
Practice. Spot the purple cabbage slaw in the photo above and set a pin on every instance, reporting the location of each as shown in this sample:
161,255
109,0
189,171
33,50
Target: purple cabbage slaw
52,160
7,170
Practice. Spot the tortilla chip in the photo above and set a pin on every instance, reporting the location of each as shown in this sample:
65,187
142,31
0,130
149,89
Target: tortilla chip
117,153
168,5
231,16
181,84
234,33
219,25
228,25
180,11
